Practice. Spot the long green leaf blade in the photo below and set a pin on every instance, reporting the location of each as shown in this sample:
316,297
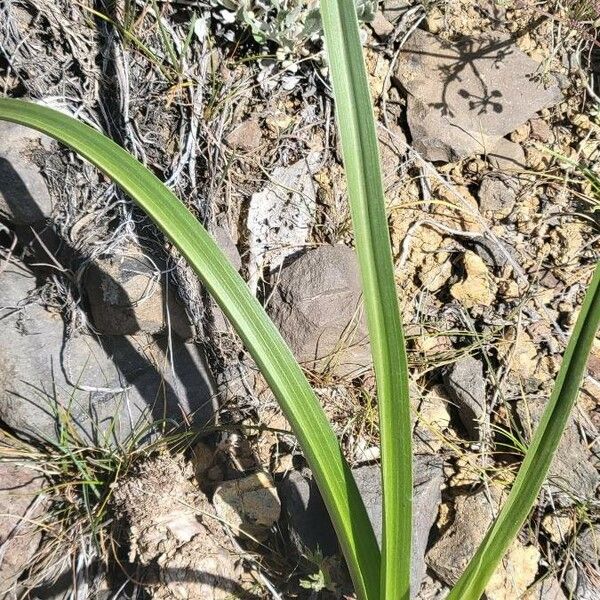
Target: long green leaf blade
265,344
365,190
537,460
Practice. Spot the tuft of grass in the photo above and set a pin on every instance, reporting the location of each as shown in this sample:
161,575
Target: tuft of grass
81,472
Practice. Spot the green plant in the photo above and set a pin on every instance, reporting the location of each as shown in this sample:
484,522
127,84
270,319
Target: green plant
373,577
288,25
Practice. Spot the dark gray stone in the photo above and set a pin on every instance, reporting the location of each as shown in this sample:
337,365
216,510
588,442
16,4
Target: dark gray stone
24,196
309,526
306,519
318,308
466,385
108,384
428,478
464,97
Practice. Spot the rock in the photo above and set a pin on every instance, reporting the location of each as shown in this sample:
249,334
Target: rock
110,384
432,420
465,97
381,26
435,276
281,218
581,585
572,477
20,506
222,236
558,527
128,293
311,527
545,589
521,354
587,546
435,19
317,307
541,131
250,506
508,157
392,145
450,555
466,385
518,572
477,288
305,517
428,477
497,196
394,9
24,196
432,589
247,136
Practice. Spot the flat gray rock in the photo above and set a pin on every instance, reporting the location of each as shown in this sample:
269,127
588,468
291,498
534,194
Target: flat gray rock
24,196
428,478
309,526
20,508
318,308
109,385
464,97
572,477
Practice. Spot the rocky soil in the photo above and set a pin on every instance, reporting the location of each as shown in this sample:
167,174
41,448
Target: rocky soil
142,454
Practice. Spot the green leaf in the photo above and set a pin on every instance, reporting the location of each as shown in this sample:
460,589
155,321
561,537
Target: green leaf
365,190
265,344
537,460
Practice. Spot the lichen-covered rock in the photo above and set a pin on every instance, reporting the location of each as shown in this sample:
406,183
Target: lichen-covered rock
318,309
